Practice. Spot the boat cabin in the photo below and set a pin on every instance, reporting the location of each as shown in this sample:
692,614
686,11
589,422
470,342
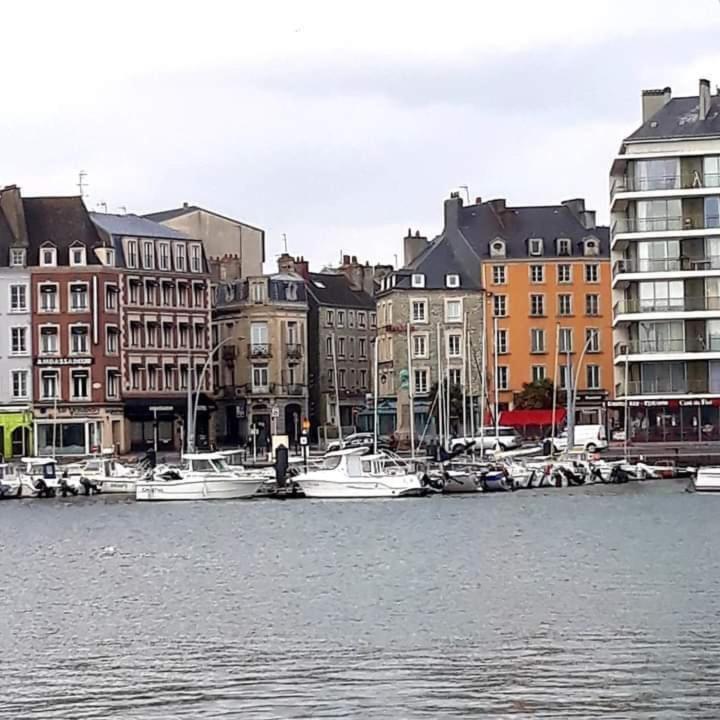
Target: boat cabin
206,463
45,468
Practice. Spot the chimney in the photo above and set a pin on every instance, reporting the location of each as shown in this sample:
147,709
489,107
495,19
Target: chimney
653,101
346,260
286,264
453,207
12,206
478,200
498,205
186,205
704,99
413,245
588,219
302,267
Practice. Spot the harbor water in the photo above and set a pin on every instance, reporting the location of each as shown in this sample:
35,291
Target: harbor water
578,603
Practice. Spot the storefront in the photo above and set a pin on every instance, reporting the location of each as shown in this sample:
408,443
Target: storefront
78,431
15,432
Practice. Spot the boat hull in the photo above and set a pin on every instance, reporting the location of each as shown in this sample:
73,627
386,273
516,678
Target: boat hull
361,488
197,489
118,485
707,480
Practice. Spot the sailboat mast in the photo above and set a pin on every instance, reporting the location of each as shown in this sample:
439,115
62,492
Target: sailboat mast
411,393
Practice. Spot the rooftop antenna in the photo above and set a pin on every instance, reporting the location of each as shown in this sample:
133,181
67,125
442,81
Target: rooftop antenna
284,243
103,205
81,182
467,192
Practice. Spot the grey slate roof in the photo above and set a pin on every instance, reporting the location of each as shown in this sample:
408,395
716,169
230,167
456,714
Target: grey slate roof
442,257
7,240
336,292
679,118
135,226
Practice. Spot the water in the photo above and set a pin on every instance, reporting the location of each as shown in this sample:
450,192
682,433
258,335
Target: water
579,603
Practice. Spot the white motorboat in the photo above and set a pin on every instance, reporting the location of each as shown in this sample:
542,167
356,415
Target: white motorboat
39,477
204,476
707,479
350,473
102,474
10,483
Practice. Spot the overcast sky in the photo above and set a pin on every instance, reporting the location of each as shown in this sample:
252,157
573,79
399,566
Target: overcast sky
337,123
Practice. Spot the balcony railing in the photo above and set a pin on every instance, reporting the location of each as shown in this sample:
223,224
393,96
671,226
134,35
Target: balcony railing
294,351
637,305
664,224
293,389
268,389
709,343
685,181
259,350
658,386
634,265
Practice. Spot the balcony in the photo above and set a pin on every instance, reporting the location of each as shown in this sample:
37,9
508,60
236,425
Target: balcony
268,389
682,264
259,351
665,305
664,224
710,343
666,386
294,351
686,181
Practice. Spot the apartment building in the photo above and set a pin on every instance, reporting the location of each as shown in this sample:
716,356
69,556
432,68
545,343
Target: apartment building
261,371
161,339
665,245
546,270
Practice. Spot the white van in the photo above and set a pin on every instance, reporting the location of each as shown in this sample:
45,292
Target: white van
589,437
507,438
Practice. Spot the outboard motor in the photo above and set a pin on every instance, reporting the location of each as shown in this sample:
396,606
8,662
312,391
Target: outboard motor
89,487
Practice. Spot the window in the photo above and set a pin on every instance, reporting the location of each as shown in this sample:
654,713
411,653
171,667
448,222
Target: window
421,381
184,336
389,310
537,340
499,305
361,318
499,275
660,174
538,373
452,281
112,384
167,335
503,377
48,298
362,348
167,294
592,304
78,340
351,348
49,384
535,246
563,377
135,334
453,311
111,297
78,297
151,334
329,317
183,293
592,273
497,248
593,376
329,347
110,257
658,215
419,311
17,257
363,379
537,273
341,347
164,256
351,318
373,319
417,280
592,340
150,292
77,255
111,342
18,298
152,377
341,379
195,258
48,256
341,318
19,384
260,378
259,338
80,385
566,340
331,378
419,346
148,255
454,377
169,377
132,254
184,376
563,246
564,304
18,341
537,305
564,273
180,257
501,341
454,345
134,291
48,340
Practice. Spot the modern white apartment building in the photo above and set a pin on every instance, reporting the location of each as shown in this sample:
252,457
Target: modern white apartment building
665,250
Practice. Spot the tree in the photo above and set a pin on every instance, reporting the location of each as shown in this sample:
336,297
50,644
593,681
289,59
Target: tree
537,395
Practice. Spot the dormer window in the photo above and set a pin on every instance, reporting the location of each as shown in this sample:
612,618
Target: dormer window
148,255
77,255
452,281
17,257
563,246
591,246
48,256
417,280
535,246
497,248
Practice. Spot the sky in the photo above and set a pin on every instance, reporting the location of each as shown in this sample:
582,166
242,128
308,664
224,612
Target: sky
336,124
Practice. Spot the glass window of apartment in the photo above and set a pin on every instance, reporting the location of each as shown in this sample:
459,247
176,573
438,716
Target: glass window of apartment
79,340
455,377
592,377
169,379
362,348
592,304
167,298
592,273
80,385
17,257
49,384
361,318
658,255
537,305
669,377
503,377
564,246
499,275
373,319
180,257
453,310
712,331
563,377
132,254
537,273
538,373
341,378
260,377
501,341
535,246
658,215
499,305
18,341
363,378
150,292
537,340
136,377
182,293
421,381
564,304
660,174
419,311
19,383
329,317
351,318
712,211
112,340
134,291
18,298
135,334
351,348
78,297
329,347
711,172
331,378
195,258
112,384
48,340
566,340
662,295
49,298
164,256
662,336
77,255
167,335
592,340
417,280
152,377
111,297
419,344
454,345
564,273
48,257
341,318
184,335
341,347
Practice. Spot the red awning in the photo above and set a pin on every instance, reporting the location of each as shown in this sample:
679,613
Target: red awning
523,418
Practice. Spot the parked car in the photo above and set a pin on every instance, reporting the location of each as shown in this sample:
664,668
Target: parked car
508,438
589,437
360,440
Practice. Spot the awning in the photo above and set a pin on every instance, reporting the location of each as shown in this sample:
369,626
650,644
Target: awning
523,418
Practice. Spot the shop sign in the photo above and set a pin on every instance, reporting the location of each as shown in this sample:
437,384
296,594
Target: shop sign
55,361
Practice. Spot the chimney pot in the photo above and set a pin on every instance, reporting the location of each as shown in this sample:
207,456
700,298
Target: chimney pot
704,99
478,200
654,100
186,205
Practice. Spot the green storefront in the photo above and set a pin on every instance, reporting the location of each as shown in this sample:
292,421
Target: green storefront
15,432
